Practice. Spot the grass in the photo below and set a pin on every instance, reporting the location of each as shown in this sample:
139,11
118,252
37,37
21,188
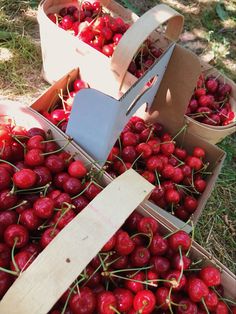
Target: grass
212,25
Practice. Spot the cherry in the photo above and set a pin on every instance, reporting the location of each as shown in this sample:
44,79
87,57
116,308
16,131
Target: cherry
29,220
43,207
83,302
176,280
48,236
149,176
72,186
32,248
140,256
108,50
187,307
79,84
124,244
161,264
163,298
109,245
190,203
132,221
25,178
43,175
194,162
77,169
36,141
124,298
197,289
210,275
55,164
179,239
144,301
179,264
212,85
5,255
211,300
168,171
5,178
136,284
154,163
62,218
36,131
7,218
59,179
158,245
157,193
129,139
106,302
200,185
16,234
221,308
5,282
147,225
199,152
168,148
22,259
129,154
92,190
172,196
34,157
80,203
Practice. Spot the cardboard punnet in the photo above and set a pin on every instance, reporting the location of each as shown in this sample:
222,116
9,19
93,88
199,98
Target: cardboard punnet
214,134
173,95
58,45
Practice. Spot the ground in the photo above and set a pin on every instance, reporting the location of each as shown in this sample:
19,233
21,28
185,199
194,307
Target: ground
209,31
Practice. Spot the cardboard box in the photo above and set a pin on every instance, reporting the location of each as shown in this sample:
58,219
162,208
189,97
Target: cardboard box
214,134
61,51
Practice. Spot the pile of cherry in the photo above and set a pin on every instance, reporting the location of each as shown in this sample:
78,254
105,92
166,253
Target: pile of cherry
210,102
101,31
138,271
42,188
179,177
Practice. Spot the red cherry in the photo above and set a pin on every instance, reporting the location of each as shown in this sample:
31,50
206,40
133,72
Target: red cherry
77,169
129,154
44,207
5,282
108,50
168,171
155,145
109,245
197,289
161,264
144,149
59,179
168,148
210,275
92,190
29,220
148,225
154,163
48,236
211,300
43,175
7,218
187,307
149,176
124,298
190,204
158,245
172,196
34,157
63,217
163,298
22,259
5,255
16,234
80,203
179,264
25,178
221,308
5,178
136,284
177,281
83,302
133,220
124,244
144,301
106,301
200,92
194,162
79,84
140,256
179,239
36,142
36,131
55,164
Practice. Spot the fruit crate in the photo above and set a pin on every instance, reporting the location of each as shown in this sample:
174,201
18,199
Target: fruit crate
215,133
58,44
56,268
171,117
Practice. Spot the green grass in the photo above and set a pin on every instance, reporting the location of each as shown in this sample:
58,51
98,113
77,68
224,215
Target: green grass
214,31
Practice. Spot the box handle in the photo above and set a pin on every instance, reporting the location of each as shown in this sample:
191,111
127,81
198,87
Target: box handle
139,32
59,264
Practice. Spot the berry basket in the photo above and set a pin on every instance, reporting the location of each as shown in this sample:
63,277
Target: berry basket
180,276
223,111
63,51
169,102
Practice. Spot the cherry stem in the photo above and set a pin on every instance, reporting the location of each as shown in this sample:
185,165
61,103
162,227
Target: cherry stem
134,162
182,265
22,203
69,295
114,309
173,232
60,149
150,134
157,178
169,299
205,306
9,163
180,131
130,269
150,283
64,211
13,258
11,272
37,190
222,298
60,95
18,141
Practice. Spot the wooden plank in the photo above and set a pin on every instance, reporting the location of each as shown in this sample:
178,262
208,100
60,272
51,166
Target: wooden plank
46,279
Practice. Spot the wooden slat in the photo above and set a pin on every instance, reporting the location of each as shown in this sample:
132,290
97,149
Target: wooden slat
46,279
